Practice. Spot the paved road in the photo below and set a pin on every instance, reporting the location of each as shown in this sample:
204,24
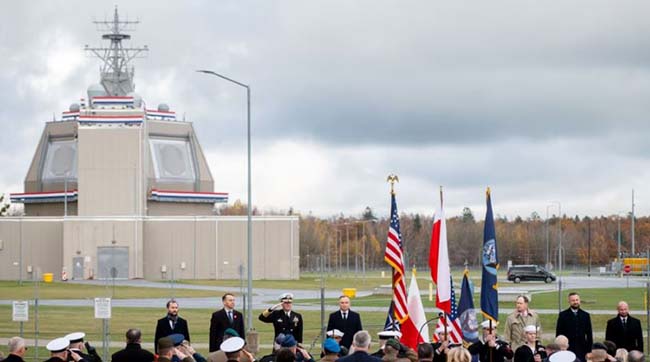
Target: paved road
263,297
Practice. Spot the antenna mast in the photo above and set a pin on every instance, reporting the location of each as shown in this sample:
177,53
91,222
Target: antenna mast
116,77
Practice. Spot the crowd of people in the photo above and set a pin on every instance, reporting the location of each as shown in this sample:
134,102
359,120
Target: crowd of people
347,341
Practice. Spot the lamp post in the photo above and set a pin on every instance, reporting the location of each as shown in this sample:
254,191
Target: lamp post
559,253
249,234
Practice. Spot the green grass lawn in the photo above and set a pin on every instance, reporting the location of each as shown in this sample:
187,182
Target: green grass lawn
62,290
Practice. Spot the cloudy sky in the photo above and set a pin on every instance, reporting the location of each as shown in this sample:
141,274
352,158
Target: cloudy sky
542,101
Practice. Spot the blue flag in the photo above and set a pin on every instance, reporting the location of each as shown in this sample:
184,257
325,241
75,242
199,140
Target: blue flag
490,261
466,312
391,323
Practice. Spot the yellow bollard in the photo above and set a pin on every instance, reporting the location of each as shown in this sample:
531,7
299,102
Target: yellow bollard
48,277
350,292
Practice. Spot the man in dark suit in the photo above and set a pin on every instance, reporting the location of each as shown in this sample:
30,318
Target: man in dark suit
346,321
133,351
171,324
284,319
361,343
225,318
575,324
625,330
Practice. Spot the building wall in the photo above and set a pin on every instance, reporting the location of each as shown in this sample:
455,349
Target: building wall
108,167
83,237
42,244
50,209
155,208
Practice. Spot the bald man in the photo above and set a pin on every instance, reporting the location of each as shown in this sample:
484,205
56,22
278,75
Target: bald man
625,330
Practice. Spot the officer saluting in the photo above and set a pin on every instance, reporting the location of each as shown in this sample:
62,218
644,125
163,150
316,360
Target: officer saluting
77,344
284,319
59,351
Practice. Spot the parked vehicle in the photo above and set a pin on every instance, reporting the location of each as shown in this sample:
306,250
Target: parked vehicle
518,273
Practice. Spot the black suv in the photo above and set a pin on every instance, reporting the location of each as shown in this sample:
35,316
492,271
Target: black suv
517,273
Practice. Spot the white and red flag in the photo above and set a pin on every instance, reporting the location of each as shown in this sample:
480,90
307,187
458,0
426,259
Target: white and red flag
439,261
414,329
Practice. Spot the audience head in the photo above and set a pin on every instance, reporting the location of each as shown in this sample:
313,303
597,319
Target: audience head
635,356
563,342
621,355
425,352
459,354
133,336
285,355
17,346
361,341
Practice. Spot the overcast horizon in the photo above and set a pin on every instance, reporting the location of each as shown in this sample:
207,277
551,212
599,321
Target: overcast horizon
542,102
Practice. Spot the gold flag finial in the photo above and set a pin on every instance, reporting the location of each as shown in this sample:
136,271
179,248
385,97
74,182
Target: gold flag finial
392,178
487,192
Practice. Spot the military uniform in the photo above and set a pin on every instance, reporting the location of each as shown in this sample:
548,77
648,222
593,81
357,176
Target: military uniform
288,323
500,353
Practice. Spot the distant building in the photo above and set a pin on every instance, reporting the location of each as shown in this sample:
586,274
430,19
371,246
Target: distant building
119,190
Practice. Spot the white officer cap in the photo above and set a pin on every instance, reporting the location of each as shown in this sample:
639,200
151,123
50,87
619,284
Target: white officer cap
530,329
286,296
486,324
562,356
232,344
389,334
75,337
335,333
58,345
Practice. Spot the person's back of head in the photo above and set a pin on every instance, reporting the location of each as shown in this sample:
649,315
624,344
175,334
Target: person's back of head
611,347
425,352
563,342
133,335
285,354
361,340
459,354
552,348
621,355
635,356
16,345
597,355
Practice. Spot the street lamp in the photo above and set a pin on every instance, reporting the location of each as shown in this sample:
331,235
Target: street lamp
559,253
249,234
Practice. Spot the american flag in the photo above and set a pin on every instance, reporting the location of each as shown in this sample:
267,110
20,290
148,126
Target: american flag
453,325
394,257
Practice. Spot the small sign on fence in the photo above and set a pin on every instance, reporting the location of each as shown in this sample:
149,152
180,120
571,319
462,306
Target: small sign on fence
103,308
20,311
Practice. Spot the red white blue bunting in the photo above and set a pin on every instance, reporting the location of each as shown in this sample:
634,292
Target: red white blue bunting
44,197
187,196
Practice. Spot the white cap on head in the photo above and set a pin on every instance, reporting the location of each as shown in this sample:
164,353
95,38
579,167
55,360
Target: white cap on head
58,345
75,337
486,324
335,333
286,296
530,329
232,344
562,356
389,334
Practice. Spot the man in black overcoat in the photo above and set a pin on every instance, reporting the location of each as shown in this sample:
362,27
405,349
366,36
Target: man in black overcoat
171,324
225,318
575,324
625,330
133,351
346,321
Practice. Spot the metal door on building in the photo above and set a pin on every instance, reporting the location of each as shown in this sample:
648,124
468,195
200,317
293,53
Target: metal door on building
112,262
78,268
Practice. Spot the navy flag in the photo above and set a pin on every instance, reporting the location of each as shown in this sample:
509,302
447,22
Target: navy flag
391,323
490,261
466,312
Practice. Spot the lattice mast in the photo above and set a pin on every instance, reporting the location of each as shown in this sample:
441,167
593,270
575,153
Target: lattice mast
116,76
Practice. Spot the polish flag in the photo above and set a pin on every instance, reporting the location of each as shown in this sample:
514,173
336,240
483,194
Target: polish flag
439,261
411,334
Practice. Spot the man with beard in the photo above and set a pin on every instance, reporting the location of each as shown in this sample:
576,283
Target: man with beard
490,348
171,324
625,330
575,324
